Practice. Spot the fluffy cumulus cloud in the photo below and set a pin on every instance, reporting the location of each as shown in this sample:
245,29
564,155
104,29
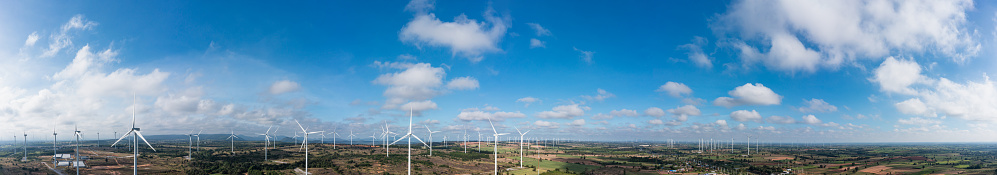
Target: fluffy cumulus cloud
32,39
817,105
970,100
579,122
654,112
419,105
546,124
284,86
536,43
475,114
749,94
745,115
527,101
624,112
467,37
811,119
602,95
839,32
564,111
896,76
695,52
722,123
780,120
918,121
656,122
688,110
463,83
675,89
914,106
417,82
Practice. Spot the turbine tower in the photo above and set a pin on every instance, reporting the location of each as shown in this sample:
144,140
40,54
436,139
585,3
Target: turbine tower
409,136
521,134
495,150
232,142
54,148
137,133
430,139
76,163
190,143
304,143
266,144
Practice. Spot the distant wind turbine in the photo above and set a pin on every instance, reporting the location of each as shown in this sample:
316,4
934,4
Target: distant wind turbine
521,134
495,151
232,142
430,139
409,135
304,143
137,133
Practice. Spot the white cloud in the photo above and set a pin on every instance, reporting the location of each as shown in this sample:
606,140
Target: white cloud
656,122
284,86
545,124
86,62
407,57
416,82
579,122
62,39
745,115
811,119
32,38
675,89
469,115
564,111
624,112
972,100
601,116
696,54
817,105
654,112
541,31
918,121
897,76
749,94
585,55
840,32
419,105
464,36
780,120
536,43
914,106
722,123
686,110
602,95
527,100
463,83
741,127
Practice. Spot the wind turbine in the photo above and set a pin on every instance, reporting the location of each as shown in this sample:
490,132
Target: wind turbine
387,132
521,134
190,143
76,163
334,134
55,149
495,150
266,145
198,135
25,147
137,133
232,142
304,143
351,136
409,136
430,139
465,140
749,145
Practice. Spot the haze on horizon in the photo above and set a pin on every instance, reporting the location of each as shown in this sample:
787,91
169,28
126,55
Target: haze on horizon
781,71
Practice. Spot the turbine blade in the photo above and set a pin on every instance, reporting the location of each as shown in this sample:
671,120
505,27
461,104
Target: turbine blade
122,138
493,125
420,140
517,130
399,139
143,140
299,125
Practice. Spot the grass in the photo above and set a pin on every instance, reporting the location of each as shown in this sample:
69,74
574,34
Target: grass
552,165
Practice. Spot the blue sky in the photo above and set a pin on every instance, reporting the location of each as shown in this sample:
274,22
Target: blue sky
843,71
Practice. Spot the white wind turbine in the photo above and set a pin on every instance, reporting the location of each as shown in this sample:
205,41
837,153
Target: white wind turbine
266,145
232,142
304,143
387,132
54,148
351,136
334,134
495,151
190,143
409,135
198,143
137,133
76,163
430,139
521,134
